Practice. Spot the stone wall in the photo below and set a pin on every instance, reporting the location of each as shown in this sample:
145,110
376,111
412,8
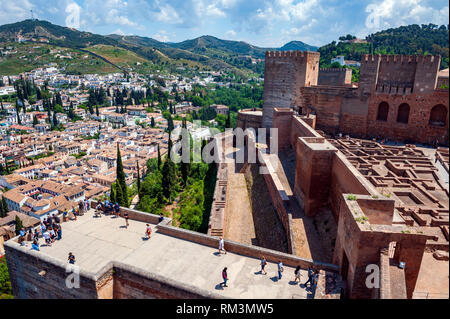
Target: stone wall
245,250
345,178
418,128
35,276
313,173
335,76
284,74
249,118
359,244
134,283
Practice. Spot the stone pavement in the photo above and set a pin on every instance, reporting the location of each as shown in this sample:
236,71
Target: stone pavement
96,241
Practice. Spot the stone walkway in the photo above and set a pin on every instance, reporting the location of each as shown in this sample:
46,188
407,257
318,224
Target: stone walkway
239,225
96,241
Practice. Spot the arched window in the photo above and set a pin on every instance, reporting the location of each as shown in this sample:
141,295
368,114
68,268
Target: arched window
383,111
403,113
438,115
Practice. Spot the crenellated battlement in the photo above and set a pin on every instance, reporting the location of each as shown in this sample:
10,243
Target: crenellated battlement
396,58
270,55
334,69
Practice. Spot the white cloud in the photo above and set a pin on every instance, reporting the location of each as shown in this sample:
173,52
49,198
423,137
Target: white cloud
12,11
162,36
119,32
230,33
393,13
168,14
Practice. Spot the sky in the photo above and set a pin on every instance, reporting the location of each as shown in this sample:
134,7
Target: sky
258,22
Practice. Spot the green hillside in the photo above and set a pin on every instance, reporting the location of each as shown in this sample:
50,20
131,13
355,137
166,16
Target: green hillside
23,57
412,39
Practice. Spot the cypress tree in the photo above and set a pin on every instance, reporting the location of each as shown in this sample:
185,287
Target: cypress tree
19,225
119,194
96,110
112,193
120,174
159,158
228,121
168,178
2,208
152,122
138,179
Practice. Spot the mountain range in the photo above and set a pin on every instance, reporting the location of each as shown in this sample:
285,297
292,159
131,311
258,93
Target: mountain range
208,52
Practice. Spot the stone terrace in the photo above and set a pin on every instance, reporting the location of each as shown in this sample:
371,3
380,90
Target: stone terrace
97,241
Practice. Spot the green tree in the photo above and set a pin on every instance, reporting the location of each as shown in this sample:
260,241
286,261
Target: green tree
19,225
120,174
35,120
159,158
112,193
138,182
152,123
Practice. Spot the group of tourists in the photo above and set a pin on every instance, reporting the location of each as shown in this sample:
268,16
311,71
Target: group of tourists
49,229
107,207
313,274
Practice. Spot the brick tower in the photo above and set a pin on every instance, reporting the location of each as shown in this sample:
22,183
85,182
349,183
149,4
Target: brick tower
285,73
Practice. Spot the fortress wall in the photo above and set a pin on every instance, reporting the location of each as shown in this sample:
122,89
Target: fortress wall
346,179
418,128
134,283
36,276
284,73
397,71
335,76
325,103
299,128
313,173
280,198
426,74
243,249
282,119
248,118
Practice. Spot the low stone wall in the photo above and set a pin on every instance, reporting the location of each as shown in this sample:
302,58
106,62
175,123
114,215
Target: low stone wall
134,283
36,276
280,199
242,249
216,222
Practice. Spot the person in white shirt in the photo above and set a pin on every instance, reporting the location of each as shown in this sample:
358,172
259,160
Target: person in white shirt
48,241
221,246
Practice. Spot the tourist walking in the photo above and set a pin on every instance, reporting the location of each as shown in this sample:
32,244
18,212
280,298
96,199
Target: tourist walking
148,231
263,264
71,258
310,276
221,246
280,269
125,215
297,274
224,277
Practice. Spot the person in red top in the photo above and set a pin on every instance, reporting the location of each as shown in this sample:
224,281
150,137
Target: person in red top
148,231
225,277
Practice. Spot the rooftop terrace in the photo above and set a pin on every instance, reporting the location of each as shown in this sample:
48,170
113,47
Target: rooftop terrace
96,241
